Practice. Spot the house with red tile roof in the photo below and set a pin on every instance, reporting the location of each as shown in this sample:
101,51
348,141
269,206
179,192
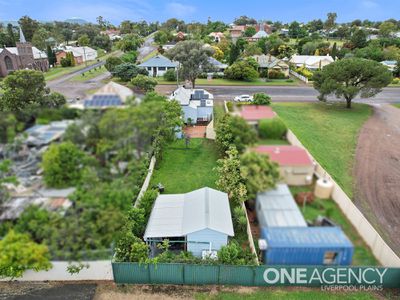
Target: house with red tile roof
296,166
254,113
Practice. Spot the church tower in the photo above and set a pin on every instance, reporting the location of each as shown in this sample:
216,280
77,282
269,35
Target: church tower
25,52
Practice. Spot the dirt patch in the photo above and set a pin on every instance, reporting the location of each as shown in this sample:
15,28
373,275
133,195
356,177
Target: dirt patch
195,131
377,173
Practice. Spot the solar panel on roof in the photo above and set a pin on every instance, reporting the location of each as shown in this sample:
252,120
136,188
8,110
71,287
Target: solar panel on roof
103,101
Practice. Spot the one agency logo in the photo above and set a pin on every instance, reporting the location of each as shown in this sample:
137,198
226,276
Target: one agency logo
327,278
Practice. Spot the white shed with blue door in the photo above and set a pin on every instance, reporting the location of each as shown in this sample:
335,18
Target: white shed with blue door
199,221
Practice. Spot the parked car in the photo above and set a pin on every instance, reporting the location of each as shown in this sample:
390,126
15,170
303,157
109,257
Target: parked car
243,98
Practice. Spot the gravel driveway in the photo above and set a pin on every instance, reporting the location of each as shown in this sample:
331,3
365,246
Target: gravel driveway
377,173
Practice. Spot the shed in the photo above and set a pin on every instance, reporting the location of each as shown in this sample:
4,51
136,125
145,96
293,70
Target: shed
296,166
277,208
306,246
199,220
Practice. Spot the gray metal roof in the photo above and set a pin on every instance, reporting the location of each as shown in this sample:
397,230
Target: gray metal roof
159,61
177,215
277,208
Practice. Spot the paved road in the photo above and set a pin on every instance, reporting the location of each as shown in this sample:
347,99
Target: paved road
146,48
292,93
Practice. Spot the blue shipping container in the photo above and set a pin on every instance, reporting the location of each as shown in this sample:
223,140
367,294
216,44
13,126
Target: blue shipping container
306,246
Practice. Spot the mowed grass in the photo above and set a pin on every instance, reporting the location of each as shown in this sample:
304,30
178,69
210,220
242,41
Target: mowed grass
228,82
289,294
185,169
93,73
396,105
328,208
329,132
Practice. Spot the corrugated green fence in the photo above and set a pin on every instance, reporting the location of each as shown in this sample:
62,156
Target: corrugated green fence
254,275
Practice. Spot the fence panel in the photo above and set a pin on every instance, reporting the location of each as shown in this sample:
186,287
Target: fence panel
131,273
166,274
236,275
201,274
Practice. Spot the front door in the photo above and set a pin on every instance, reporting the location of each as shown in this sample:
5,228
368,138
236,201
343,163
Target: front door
154,71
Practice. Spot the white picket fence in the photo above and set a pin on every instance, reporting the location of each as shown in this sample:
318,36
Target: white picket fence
297,75
380,249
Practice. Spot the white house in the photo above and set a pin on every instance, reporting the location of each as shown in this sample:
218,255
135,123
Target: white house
197,104
198,221
85,52
311,62
158,65
390,64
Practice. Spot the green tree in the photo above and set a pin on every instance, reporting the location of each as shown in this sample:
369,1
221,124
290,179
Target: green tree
39,38
386,29
261,99
18,254
28,26
102,41
258,172
130,42
130,248
193,58
241,70
232,130
144,83
84,40
62,165
230,179
250,31
351,77
127,71
359,39
112,62
330,22
162,37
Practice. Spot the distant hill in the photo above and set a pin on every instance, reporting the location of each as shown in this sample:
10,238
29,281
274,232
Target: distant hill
5,23
76,21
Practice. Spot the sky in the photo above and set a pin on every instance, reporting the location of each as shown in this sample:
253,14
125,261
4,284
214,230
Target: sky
116,11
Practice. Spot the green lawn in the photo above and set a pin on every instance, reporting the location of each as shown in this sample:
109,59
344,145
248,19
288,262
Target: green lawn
183,170
329,132
396,105
271,142
89,74
201,81
328,208
278,294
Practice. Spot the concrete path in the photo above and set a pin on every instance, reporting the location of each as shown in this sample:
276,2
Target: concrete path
377,173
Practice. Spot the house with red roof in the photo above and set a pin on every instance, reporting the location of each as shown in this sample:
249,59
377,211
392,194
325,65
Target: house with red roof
296,166
254,113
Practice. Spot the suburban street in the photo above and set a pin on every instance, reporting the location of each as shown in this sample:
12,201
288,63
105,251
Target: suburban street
146,48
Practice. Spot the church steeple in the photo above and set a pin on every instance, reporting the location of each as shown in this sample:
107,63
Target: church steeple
21,36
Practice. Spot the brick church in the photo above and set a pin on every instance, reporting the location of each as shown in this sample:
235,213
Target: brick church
23,56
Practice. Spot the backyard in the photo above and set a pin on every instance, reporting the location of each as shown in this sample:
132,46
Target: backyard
185,169
329,132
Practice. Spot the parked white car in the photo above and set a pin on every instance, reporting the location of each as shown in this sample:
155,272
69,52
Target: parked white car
243,98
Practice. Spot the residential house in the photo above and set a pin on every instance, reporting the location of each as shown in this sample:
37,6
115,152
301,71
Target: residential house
311,62
23,56
113,34
259,35
296,166
390,64
81,54
218,66
269,62
277,208
199,221
110,95
158,65
180,36
236,31
197,104
41,135
254,113
168,46
216,36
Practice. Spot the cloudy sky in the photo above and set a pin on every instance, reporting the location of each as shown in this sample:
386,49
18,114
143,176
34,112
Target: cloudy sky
199,10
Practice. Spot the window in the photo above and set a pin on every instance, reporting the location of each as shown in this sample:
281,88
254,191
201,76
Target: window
149,68
161,68
9,64
330,257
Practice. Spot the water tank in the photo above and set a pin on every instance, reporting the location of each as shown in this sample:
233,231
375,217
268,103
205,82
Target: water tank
323,188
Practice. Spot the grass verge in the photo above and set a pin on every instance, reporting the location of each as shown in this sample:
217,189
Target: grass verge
183,170
329,132
89,74
228,82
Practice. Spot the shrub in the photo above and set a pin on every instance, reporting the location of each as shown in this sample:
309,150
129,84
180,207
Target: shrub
229,105
170,75
233,254
240,219
305,72
130,248
261,99
274,74
396,81
112,62
146,202
144,83
127,71
241,70
272,128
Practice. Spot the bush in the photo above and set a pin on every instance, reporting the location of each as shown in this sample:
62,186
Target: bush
127,71
272,128
144,83
229,105
305,72
112,62
170,75
146,202
261,99
274,74
396,81
241,70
